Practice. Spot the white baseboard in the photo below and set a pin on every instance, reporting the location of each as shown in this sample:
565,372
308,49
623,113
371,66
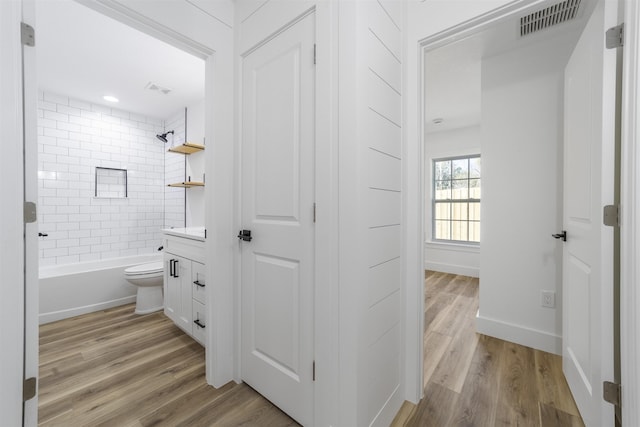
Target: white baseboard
540,340
452,269
76,311
389,410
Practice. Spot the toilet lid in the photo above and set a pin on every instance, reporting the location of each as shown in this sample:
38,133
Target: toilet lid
151,267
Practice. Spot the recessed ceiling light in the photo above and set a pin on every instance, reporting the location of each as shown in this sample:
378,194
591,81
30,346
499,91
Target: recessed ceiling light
110,98
438,120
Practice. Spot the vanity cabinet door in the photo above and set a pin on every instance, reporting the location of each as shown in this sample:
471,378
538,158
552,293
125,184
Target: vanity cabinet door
178,293
171,287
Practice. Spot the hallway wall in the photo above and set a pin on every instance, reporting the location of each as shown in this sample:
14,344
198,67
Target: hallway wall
522,127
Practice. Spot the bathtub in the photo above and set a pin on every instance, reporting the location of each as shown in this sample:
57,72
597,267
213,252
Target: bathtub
73,289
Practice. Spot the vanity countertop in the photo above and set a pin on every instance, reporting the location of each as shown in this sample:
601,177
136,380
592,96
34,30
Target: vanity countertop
194,233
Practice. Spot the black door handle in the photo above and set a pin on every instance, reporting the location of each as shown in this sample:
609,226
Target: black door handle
245,235
42,234
173,271
562,236
197,322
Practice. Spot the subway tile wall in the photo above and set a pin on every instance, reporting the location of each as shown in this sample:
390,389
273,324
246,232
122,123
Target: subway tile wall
75,137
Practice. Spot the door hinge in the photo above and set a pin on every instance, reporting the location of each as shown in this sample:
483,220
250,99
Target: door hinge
314,54
314,370
314,213
615,37
611,216
27,35
29,212
29,389
612,393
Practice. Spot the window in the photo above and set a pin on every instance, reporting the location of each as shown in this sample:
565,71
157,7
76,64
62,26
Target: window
456,199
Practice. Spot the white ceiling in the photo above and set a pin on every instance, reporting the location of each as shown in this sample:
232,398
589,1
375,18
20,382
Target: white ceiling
452,86
86,55
453,72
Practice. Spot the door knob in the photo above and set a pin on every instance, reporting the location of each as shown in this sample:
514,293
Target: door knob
245,235
562,236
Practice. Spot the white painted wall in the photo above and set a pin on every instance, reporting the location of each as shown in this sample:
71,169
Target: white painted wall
75,137
446,257
196,26
174,171
196,164
522,194
185,207
195,122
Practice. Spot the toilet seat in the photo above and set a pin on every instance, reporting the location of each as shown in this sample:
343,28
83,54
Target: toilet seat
151,268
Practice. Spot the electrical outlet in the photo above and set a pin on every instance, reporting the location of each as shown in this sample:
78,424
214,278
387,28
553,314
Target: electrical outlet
548,299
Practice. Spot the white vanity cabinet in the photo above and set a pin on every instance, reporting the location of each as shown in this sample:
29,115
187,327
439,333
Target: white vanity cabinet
198,313
185,282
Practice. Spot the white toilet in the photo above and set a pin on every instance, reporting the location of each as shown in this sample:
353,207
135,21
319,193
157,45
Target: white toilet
148,278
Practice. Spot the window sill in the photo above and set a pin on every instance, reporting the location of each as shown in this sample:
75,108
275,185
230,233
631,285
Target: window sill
456,247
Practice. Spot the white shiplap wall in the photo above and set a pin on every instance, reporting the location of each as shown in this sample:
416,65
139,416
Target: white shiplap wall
380,131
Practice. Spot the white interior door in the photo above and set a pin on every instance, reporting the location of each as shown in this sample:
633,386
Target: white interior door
588,186
31,262
12,249
278,116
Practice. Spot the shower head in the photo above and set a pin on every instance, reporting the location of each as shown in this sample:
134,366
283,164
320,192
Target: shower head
163,137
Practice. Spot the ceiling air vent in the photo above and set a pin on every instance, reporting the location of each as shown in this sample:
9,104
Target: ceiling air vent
157,88
552,15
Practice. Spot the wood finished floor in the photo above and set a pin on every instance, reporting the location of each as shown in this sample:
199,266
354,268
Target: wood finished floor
475,380
116,368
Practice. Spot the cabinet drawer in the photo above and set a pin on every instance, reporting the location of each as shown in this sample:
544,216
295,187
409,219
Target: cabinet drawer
199,282
199,322
191,249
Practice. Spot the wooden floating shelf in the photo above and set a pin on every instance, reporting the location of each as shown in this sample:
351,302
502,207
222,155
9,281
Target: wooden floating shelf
187,148
187,184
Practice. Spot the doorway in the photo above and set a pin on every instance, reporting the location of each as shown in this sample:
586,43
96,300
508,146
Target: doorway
520,263
214,44
105,91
